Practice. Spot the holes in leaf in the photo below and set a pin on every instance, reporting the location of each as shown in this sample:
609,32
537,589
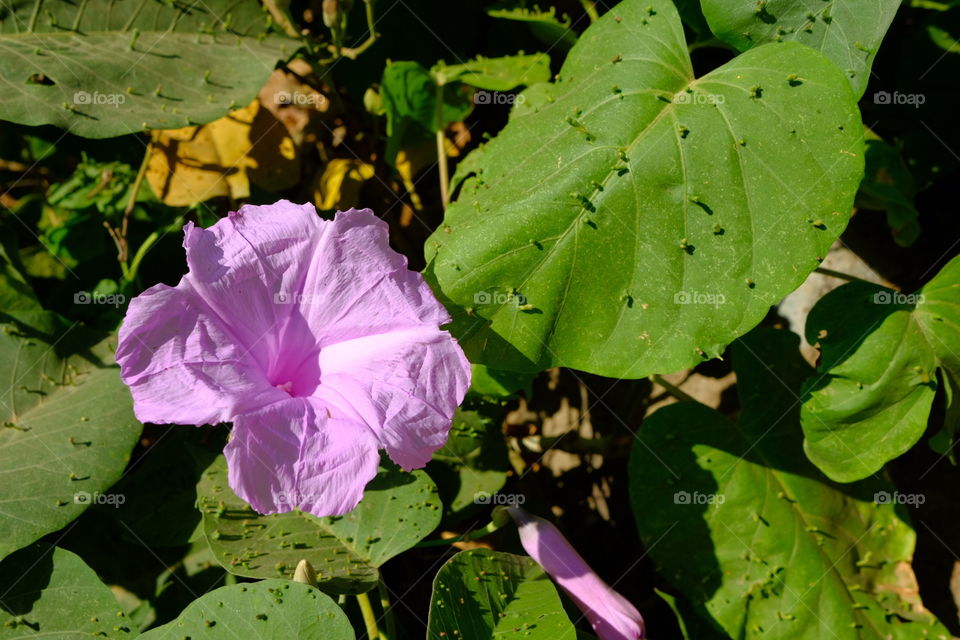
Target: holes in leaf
40,78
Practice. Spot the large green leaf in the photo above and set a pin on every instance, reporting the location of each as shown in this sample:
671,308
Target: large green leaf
881,352
848,32
398,510
68,427
48,592
753,535
267,610
641,219
482,595
102,68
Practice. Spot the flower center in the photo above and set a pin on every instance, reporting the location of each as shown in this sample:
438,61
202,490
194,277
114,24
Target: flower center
295,374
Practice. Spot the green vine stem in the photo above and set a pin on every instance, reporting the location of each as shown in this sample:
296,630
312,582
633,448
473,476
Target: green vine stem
391,632
369,619
466,537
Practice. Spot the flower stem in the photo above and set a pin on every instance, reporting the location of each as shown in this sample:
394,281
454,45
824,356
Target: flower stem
591,10
472,535
839,274
442,150
391,632
130,272
369,619
672,389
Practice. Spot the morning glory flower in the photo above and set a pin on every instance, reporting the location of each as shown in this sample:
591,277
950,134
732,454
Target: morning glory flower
609,613
312,337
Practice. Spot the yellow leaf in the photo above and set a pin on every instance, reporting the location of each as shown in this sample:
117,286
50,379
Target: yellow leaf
339,185
222,158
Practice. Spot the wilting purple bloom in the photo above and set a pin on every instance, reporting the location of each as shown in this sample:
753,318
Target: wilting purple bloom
609,613
313,338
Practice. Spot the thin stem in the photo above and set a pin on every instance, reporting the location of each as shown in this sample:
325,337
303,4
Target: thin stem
930,4
570,444
352,53
369,619
391,632
591,10
130,272
281,18
840,275
472,535
671,388
132,202
442,151
709,42
370,20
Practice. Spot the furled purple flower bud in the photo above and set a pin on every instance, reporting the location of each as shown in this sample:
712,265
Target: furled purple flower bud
610,614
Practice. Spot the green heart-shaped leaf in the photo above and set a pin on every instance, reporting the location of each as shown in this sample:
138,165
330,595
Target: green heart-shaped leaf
483,594
757,539
397,511
267,610
67,427
639,219
881,352
48,592
848,32
103,68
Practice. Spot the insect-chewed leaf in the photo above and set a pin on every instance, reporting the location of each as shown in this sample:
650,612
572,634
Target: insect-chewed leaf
638,219
103,68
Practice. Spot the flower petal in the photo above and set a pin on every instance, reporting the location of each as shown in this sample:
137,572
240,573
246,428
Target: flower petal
609,613
405,384
243,262
182,364
374,290
299,453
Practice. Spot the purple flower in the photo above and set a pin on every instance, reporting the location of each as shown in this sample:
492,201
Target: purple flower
313,338
610,614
